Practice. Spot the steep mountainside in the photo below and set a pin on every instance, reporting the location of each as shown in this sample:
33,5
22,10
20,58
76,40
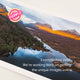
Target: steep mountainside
13,35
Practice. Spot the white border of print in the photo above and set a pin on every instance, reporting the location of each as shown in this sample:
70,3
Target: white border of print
17,70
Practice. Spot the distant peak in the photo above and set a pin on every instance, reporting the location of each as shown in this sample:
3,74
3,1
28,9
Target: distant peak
44,25
1,5
3,10
72,31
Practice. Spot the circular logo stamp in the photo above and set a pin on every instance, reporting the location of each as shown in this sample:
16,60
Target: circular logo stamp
15,15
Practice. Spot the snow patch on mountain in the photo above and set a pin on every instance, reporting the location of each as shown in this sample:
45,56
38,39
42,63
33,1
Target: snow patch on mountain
52,54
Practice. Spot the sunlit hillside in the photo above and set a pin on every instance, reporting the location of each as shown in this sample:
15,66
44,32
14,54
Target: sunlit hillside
58,32
3,12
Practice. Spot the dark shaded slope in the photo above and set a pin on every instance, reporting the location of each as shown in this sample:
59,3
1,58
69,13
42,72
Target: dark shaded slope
13,35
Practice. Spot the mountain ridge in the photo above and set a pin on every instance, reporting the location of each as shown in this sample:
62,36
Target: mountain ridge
14,35
46,27
65,45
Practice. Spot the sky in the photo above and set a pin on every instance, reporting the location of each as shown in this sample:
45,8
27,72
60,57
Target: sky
67,9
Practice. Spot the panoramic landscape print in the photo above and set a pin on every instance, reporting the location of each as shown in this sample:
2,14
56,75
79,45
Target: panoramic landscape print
41,43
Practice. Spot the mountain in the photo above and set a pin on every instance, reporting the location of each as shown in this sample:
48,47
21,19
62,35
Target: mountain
32,15
14,35
73,34
3,10
44,25
58,23
67,42
57,38
34,25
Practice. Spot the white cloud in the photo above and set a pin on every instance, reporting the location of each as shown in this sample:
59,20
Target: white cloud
68,9
27,20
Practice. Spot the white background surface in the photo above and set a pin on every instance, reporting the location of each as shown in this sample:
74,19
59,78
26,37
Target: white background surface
11,72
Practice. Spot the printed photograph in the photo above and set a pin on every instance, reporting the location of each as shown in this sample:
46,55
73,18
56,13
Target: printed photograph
41,36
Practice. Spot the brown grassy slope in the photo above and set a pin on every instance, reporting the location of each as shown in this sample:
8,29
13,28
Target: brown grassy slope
68,46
